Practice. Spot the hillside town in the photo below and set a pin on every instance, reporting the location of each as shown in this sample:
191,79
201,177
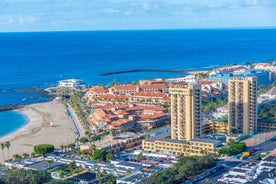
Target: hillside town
128,133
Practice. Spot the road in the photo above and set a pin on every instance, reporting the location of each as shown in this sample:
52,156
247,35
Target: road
264,147
75,121
227,165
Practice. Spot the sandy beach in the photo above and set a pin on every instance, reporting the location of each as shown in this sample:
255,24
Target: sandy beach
39,129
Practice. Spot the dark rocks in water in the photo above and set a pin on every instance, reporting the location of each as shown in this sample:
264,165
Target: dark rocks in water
10,107
43,92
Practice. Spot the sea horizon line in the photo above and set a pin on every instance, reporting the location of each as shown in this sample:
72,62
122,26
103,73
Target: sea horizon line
146,30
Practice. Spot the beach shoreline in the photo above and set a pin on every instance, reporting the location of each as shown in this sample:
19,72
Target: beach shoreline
48,123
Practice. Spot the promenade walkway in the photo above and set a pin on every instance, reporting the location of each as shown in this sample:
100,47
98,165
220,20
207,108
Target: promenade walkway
75,121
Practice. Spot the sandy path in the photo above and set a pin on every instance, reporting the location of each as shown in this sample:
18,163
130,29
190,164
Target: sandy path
38,130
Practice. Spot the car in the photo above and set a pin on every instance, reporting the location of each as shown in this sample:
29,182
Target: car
273,139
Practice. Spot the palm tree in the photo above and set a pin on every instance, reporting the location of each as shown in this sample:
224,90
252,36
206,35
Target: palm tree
111,180
49,163
3,147
72,165
62,147
99,176
26,155
8,144
16,157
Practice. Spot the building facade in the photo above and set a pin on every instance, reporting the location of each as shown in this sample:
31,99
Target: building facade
185,111
242,105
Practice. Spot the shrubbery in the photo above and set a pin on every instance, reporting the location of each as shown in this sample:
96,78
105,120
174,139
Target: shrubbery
43,149
234,149
186,168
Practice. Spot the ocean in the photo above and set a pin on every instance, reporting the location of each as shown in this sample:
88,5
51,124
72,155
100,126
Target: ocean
39,60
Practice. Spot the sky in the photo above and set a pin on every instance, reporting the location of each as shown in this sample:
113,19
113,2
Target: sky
60,15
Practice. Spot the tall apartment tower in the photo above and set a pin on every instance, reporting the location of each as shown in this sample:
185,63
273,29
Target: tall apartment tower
185,111
242,105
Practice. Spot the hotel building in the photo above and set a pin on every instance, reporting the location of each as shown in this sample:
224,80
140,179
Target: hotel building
242,105
185,112
185,126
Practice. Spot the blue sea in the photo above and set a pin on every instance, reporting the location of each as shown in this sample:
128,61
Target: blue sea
39,60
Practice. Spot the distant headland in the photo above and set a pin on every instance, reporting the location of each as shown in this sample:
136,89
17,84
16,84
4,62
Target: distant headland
151,70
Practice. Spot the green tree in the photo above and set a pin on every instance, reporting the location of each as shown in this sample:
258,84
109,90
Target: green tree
16,157
83,140
99,176
8,144
3,147
99,155
109,157
43,149
60,173
21,176
111,179
62,147
26,155
71,166
184,169
59,182
49,163
33,154
140,156
71,146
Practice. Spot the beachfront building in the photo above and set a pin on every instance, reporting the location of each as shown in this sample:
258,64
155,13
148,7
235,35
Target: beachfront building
220,77
127,89
114,144
242,105
185,111
152,81
262,76
153,88
96,92
124,117
72,83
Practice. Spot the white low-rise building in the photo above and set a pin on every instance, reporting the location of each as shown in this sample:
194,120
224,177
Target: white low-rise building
72,83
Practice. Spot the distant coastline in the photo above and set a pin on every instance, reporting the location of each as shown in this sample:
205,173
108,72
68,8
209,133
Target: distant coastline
152,70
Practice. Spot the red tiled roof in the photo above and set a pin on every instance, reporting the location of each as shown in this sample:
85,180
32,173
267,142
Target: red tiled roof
121,112
153,95
179,83
112,97
206,82
141,107
153,86
100,112
215,92
98,89
153,116
127,86
120,122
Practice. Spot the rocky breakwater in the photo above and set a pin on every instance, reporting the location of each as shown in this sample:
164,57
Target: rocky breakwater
9,107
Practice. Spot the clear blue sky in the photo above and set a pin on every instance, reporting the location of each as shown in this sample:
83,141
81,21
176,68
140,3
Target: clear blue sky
59,15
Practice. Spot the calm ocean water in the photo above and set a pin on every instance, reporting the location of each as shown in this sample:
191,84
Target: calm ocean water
11,121
39,60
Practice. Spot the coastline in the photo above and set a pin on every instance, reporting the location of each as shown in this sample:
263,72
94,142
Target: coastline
38,129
